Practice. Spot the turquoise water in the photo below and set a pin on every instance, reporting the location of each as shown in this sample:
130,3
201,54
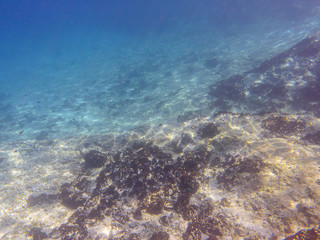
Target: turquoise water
77,69
147,119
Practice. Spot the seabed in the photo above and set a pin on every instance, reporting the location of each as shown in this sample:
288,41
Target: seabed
247,170
227,177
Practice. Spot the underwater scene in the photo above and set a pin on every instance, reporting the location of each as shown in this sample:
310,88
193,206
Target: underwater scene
160,119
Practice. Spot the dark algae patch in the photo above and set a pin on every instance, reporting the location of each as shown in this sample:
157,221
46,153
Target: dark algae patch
208,130
237,171
94,159
284,125
160,236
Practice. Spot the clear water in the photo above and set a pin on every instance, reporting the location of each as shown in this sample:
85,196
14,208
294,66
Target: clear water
78,68
71,70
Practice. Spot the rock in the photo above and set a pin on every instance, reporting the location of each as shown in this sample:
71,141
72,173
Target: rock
95,159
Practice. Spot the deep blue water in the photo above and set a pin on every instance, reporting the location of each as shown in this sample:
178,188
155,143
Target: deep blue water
82,67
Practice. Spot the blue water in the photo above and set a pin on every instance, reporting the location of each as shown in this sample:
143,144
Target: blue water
70,68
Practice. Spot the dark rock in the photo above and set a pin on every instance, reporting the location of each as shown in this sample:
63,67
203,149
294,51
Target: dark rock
182,203
192,233
142,172
72,232
308,93
188,185
70,196
308,234
307,47
267,90
190,212
96,214
137,214
160,236
208,130
283,125
95,159
176,147
273,86
155,206
186,139
236,168
140,190
268,64
313,138
228,90
316,70
191,166
208,225
37,234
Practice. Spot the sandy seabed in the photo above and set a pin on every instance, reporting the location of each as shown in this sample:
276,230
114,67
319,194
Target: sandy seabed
226,177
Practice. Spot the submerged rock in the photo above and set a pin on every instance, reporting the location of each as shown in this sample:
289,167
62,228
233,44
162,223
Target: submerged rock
95,159
249,167
309,234
284,125
288,82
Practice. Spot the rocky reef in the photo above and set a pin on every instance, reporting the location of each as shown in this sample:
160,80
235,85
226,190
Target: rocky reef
233,176
287,83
